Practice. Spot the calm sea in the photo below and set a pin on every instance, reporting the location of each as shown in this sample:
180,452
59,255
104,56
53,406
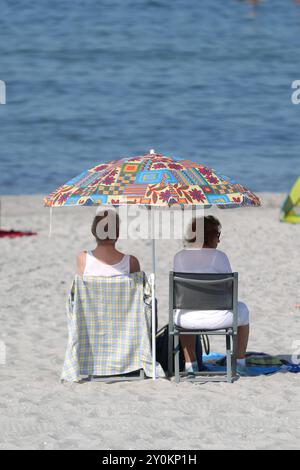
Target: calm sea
89,81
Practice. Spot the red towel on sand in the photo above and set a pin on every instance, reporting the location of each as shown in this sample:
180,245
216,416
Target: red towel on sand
15,234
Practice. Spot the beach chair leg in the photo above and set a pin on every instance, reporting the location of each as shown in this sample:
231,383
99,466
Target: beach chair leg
170,356
234,357
176,358
228,359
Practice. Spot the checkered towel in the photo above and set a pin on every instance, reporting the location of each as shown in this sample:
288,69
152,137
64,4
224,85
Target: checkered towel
109,322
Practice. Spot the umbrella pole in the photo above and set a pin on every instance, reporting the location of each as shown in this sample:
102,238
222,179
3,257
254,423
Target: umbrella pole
153,298
50,223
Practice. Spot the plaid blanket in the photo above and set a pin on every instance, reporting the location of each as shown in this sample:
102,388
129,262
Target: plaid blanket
109,323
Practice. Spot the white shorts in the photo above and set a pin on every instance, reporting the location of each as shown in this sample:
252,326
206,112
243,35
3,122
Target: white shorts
210,319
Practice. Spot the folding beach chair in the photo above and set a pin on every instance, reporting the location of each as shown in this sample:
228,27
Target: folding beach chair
109,321
203,292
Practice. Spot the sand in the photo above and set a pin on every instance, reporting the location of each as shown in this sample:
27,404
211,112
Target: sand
38,412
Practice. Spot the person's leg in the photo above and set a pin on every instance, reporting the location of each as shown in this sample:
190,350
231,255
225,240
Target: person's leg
242,369
242,334
242,341
188,343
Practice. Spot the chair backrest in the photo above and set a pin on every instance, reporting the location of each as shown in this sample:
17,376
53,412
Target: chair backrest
203,291
109,327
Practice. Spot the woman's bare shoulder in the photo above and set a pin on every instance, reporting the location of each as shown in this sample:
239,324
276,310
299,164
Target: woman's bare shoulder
81,259
134,264
81,255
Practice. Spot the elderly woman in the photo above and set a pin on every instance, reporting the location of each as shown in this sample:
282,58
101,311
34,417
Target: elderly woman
206,258
105,259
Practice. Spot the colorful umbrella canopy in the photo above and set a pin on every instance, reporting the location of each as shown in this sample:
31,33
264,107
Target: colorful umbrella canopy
152,180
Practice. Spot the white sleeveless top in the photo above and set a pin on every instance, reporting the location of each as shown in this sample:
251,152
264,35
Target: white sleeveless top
95,267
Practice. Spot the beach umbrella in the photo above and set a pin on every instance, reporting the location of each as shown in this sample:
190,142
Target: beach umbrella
152,180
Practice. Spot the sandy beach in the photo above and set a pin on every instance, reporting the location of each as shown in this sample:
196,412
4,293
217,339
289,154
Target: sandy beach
38,412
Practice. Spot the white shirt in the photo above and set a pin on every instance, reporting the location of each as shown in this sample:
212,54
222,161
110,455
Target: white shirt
201,260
